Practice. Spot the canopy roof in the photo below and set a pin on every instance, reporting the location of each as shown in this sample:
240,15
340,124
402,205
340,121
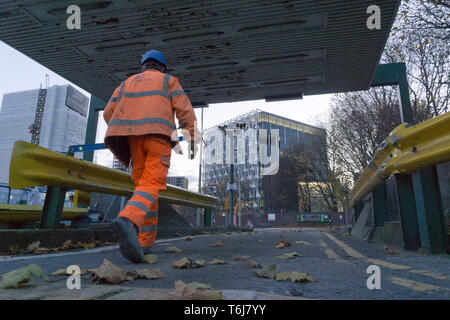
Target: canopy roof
221,50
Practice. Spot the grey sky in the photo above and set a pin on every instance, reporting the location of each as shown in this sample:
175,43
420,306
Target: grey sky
18,73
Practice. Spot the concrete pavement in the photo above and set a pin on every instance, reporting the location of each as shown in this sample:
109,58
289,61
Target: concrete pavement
338,263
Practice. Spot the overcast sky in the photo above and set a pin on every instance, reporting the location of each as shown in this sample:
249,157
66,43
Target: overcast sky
18,73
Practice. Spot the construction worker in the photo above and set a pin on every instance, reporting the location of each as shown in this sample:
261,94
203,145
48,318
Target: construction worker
140,118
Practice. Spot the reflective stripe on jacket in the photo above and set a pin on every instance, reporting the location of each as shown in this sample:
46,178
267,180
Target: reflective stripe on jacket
145,104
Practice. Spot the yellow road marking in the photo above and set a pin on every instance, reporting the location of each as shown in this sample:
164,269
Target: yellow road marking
330,253
430,274
388,264
414,285
350,251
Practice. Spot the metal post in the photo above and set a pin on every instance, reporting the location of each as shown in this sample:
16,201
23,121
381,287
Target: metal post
408,212
429,210
91,130
200,171
9,195
379,205
53,207
207,218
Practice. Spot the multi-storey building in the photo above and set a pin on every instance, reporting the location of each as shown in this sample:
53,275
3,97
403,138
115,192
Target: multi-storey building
181,182
54,118
256,191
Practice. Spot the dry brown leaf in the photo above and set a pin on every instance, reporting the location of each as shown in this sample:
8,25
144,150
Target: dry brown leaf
150,274
291,255
151,258
185,263
391,250
41,250
14,249
239,258
283,244
67,245
185,292
217,261
294,276
174,250
269,272
253,264
177,234
199,285
188,239
89,245
216,244
108,273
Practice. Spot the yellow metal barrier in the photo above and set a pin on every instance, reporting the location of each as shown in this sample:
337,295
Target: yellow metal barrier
11,213
32,165
405,150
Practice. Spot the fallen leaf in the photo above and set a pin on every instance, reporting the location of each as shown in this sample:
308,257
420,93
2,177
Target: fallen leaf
391,250
68,244
188,239
16,277
239,258
269,272
185,292
63,272
294,276
151,258
303,243
199,285
253,264
185,263
108,273
216,244
177,234
283,244
217,261
174,250
88,245
291,255
13,249
150,274
33,246
41,250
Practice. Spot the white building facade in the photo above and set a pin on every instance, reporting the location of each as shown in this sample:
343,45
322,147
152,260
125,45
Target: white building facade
63,121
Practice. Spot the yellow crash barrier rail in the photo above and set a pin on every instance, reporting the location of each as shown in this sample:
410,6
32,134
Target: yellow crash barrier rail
12,213
405,150
32,165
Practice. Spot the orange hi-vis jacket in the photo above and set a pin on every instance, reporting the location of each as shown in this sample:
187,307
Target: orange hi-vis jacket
144,104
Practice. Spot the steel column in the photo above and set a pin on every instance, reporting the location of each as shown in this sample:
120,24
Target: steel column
379,205
408,212
53,207
207,218
427,196
91,131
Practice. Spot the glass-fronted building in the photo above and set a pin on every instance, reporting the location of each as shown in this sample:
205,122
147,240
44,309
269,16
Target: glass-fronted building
256,191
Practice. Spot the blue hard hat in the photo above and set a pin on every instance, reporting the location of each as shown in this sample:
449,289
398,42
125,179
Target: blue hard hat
154,54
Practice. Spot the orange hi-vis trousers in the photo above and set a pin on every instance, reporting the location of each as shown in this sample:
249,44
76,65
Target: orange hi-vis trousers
150,156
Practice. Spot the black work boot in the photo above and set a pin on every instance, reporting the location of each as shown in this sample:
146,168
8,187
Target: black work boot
128,239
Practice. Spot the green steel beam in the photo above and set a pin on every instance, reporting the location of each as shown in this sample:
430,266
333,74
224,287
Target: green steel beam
395,74
408,212
379,205
207,218
430,215
53,207
91,131
357,208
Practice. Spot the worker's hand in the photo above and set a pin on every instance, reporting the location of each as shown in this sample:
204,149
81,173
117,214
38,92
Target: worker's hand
193,150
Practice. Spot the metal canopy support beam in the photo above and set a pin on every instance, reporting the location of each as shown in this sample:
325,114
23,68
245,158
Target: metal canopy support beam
408,212
395,74
53,207
379,205
91,131
429,210
357,208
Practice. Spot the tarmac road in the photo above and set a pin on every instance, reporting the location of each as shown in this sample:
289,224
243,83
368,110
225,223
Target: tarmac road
338,263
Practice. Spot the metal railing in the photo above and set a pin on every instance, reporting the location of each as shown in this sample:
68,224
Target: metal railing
33,165
410,154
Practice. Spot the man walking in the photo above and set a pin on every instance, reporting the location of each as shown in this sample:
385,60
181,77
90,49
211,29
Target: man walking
140,118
